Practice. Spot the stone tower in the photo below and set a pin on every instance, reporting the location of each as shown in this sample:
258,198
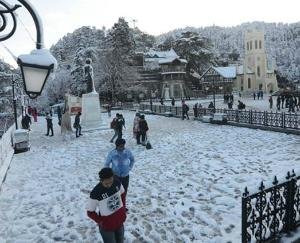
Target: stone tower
258,72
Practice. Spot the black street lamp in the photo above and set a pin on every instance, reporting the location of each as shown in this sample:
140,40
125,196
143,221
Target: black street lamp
37,65
14,101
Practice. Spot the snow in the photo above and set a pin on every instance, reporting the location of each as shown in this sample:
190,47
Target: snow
226,72
186,189
41,57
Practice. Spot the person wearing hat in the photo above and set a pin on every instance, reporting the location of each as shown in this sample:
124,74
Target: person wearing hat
106,206
121,161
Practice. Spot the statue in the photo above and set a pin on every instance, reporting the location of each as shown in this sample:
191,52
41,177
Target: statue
89,76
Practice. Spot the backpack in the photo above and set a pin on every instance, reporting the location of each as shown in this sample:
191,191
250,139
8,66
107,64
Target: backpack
113,123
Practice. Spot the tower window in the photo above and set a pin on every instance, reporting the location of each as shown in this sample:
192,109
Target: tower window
249,83
255,44
260,44
258,71
250,45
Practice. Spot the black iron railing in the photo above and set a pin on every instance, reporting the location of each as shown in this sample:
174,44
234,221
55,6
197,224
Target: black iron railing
271,212
262,118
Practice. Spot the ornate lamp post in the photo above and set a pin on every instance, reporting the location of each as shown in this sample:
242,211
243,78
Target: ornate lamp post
37,65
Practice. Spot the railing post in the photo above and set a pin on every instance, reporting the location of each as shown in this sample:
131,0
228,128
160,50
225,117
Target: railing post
237,115
176,110
283,119
250,117
244,215
265,118
160,109
290,214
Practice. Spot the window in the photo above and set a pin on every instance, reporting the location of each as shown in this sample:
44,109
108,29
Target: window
250,45
260,44
242,81
258,71
255,44
249,83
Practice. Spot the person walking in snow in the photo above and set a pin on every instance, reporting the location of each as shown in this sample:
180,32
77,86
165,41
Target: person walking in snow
271,102
77,125
143,128
136,125
49,125
107,207
121,161
173,102
278,102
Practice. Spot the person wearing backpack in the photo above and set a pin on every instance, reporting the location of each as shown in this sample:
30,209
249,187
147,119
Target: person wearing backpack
113,125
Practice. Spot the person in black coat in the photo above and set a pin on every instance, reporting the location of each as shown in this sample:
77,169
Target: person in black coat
49,124
77,125
26,121
143,128
119,125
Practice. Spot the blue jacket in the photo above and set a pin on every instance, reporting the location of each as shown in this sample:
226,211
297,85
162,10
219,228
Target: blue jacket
121,162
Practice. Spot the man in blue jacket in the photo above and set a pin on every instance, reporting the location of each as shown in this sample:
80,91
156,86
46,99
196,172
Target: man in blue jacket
121,161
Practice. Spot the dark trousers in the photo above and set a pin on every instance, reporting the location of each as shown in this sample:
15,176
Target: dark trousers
49,128
78,130
120,133
124,181
138,137
116,236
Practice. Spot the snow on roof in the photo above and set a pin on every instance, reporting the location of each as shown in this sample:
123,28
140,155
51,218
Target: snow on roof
226,72
170,60
162,54
41,57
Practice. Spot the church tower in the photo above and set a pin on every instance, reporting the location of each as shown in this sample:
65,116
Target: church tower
258,72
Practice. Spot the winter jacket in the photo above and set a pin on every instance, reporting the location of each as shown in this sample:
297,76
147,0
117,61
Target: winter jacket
136,124
143,126
106,206
121,162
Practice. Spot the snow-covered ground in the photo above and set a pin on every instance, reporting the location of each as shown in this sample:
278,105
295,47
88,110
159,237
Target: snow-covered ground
186,189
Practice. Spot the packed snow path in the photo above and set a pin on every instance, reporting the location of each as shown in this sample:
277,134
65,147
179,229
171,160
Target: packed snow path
187,189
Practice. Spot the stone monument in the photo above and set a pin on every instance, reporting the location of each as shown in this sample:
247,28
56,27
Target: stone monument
91,113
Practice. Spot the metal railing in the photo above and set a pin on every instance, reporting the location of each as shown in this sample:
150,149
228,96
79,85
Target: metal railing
271,212
261,118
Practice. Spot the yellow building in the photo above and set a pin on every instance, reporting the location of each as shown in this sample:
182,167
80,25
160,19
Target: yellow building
256,73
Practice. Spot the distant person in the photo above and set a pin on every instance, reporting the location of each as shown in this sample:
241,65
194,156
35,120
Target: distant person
25,122
136,129
254,95
241,105
173,102
185,110
34,114
109,110
278,102
49,125
211,105
107,207
142,132
120,125
271,102
59,115
121,161
77,125
113,125
195,109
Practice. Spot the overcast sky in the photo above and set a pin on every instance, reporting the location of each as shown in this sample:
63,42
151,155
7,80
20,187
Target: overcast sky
153,16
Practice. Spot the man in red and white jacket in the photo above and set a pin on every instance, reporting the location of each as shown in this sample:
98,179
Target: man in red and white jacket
106,206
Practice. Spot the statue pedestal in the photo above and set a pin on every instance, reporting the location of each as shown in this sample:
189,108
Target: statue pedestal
91,113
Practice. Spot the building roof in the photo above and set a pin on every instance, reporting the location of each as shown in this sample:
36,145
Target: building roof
170,60
226,72
161,54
